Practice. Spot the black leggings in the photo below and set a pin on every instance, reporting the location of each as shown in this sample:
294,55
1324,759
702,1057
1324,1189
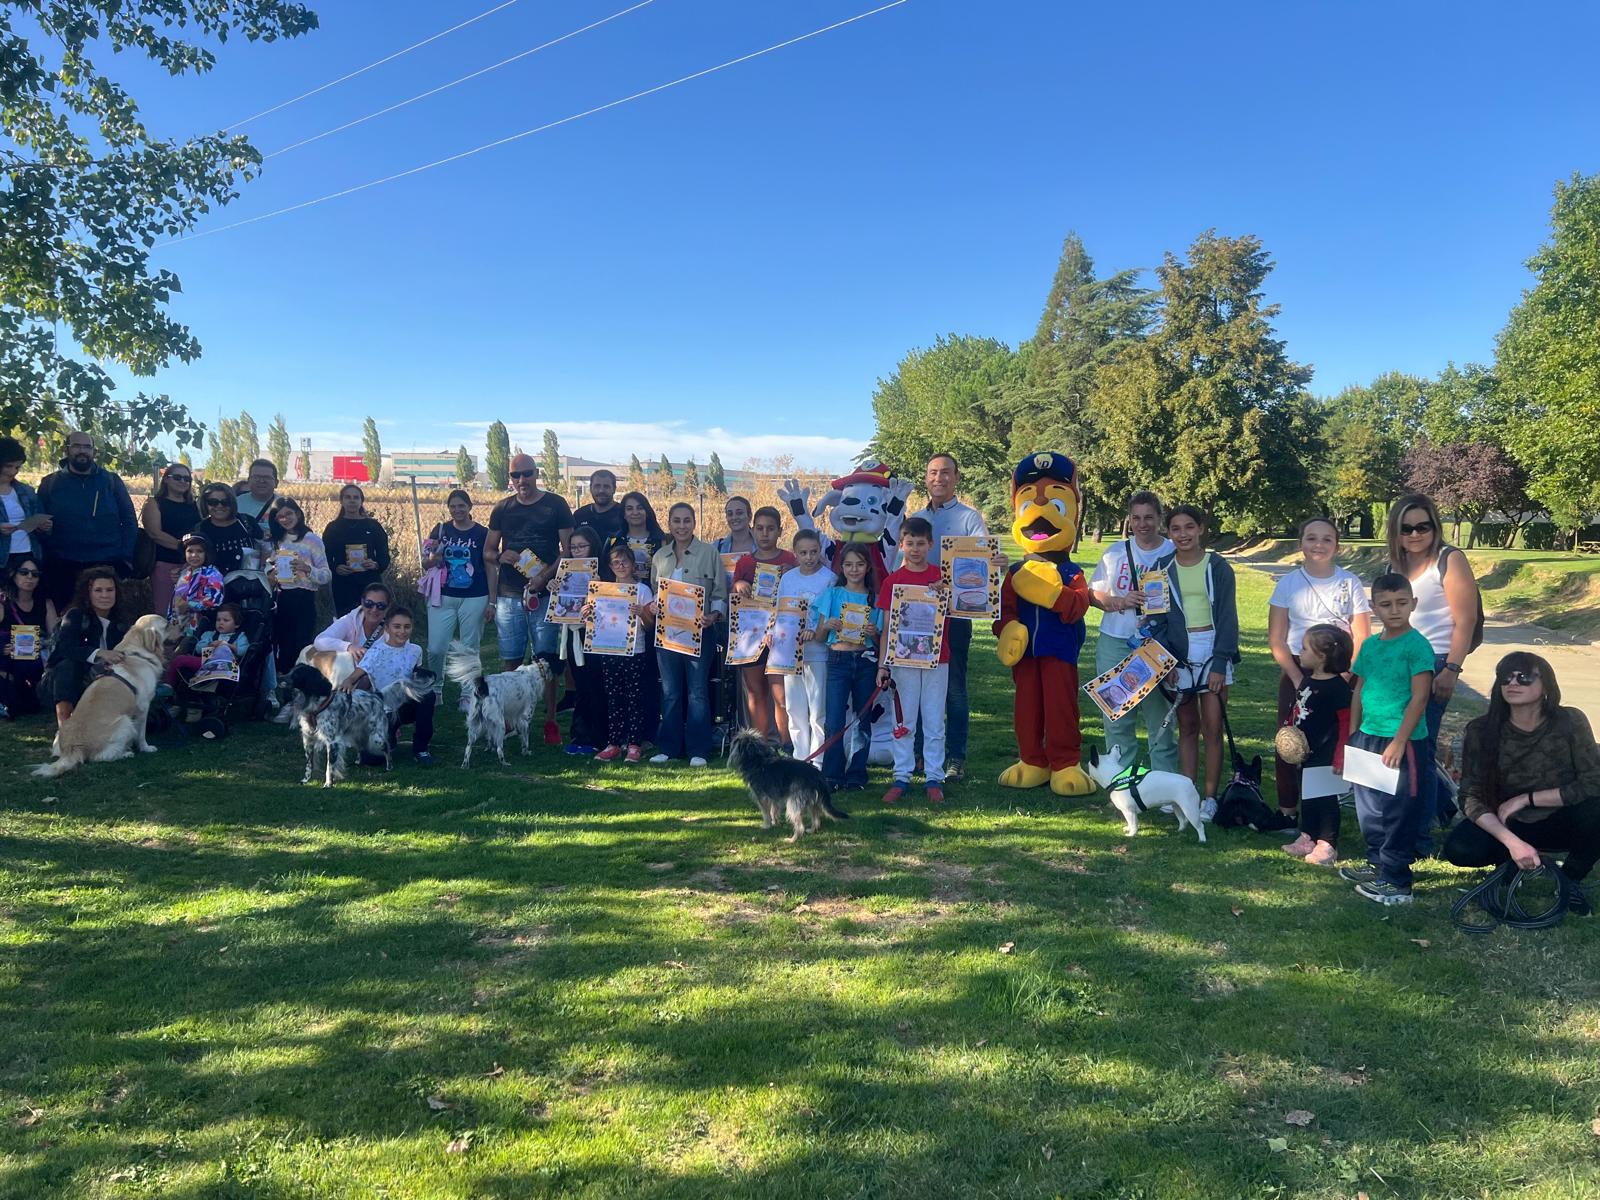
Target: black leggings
422,715
294,624
626,704
1319,816
1575,830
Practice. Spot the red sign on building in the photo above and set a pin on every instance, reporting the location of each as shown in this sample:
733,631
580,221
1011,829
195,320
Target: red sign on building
350,468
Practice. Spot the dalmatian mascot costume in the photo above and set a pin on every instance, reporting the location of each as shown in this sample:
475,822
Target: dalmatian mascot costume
1041,628
865,507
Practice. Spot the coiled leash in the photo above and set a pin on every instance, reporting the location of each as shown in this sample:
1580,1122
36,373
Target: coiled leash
870,712
1497,897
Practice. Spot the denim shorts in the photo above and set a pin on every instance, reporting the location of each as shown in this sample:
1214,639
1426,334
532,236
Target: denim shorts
515,626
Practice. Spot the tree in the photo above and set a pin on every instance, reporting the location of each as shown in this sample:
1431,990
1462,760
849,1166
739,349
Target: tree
466,471
940,400
1210,409
1087,321
1463,405
183,457
550,464
497,456
249,441
716,479
636,479
691,479
371,449
1470,480
278,444
1548,361
665,480
88,191
223,445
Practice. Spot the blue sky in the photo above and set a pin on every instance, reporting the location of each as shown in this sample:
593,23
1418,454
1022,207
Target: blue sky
732,264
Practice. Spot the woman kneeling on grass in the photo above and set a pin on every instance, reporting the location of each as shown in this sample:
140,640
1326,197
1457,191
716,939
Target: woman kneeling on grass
389,661
1530,778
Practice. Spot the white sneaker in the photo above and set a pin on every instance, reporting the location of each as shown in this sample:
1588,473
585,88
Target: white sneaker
1208,809
658,759
697,761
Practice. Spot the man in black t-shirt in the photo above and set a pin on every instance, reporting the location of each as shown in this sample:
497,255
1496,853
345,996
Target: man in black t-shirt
603,513
527,536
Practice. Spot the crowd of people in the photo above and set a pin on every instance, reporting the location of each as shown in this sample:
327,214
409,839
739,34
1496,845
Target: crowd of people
1365,671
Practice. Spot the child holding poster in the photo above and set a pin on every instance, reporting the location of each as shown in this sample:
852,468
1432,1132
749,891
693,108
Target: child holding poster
624,674
804,695
922,689
848,625
759,574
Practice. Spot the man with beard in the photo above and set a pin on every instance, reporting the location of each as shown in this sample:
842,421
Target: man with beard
602,512
93,521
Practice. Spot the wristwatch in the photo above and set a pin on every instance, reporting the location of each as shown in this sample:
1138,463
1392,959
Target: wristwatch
1450,666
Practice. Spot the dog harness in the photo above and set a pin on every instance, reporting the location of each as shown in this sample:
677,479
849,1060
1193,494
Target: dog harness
1130,778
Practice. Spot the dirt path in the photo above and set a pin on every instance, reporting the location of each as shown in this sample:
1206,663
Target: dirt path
1576,663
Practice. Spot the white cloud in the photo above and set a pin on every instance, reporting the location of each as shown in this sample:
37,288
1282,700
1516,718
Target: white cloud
614,441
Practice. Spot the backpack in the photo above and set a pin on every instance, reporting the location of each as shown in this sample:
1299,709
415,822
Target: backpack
1477,624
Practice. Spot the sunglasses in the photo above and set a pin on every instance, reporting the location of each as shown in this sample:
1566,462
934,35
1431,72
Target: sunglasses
1520,678
27,573
522,474
218,502
1423,527
375,605
180,478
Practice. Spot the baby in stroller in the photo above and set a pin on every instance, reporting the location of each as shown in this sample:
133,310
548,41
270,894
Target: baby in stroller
219,667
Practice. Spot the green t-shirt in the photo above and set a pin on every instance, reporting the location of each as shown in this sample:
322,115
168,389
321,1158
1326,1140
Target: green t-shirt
1386,668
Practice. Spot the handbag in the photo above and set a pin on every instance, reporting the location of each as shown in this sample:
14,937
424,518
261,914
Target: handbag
144,556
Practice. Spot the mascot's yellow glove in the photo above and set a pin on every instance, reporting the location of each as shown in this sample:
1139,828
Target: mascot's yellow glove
1013,643
1038,582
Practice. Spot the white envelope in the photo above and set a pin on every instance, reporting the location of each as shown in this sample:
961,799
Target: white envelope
1366,768
1322,781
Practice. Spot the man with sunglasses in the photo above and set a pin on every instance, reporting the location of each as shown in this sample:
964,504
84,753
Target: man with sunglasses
528,533
92,519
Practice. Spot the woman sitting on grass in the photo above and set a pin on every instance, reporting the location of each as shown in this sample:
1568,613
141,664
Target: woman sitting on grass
27,619
86,641
1530,777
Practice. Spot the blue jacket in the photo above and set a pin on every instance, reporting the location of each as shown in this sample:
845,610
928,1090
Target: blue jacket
29,499
94,519
1050,635
1172,631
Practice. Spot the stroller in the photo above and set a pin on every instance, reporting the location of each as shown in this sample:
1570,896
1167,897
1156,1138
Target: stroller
207,708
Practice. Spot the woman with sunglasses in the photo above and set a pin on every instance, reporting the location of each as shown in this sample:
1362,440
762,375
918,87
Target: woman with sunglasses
1446,612
226,535
360,628
27,619
1530,777
21,520
357,548
166,517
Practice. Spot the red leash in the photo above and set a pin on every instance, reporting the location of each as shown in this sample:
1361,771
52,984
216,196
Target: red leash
900,729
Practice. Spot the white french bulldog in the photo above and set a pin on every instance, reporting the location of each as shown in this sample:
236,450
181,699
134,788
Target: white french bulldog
1157,789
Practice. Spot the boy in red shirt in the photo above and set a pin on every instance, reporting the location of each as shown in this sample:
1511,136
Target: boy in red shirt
922,689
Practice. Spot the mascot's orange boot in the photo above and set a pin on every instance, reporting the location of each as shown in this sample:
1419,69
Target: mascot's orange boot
1041,627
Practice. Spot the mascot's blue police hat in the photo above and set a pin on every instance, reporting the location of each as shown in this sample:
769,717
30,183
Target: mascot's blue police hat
1044,464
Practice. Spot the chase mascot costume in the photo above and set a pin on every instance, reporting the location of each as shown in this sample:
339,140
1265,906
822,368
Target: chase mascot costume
1041,630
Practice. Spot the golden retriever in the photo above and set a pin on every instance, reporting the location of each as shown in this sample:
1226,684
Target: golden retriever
108,722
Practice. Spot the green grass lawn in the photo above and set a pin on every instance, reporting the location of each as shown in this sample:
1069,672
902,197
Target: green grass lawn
565,980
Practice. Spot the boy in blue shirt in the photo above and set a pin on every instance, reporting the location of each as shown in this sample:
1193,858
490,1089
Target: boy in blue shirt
1394,680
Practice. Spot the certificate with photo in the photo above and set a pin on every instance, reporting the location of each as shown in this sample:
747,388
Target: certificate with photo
854,621
641,556
283,560
916,626
729,562
614,626
570,588
1157,592
355,557
679,608
25,643
529,564
967,564
749,619
765,584
785,650
1120,690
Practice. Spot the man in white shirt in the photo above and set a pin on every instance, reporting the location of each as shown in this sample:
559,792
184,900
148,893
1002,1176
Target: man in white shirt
1114,589
951,518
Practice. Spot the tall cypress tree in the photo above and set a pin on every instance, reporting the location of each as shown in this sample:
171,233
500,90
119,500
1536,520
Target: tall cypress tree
664,477
550,462
497,456
278,445
716,479
371,449
465,470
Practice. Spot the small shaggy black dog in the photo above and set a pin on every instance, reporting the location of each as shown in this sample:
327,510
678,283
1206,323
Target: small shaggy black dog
784,788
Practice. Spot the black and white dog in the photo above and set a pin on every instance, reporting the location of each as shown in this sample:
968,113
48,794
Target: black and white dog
784,788
496,703
332,722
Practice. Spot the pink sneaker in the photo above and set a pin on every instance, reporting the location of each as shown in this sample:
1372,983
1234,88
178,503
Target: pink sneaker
935,794
1323,856
894,793
610,753
552,734
1301,846
634,754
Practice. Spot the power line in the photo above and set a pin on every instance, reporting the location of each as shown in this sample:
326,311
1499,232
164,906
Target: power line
526,133
363,70
444,87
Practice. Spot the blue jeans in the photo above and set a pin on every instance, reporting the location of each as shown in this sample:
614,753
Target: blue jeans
1389,823
515,627
1439,809
685,704
956,713
851,676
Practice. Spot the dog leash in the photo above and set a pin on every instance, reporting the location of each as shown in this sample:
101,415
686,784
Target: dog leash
1497,897
865,719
